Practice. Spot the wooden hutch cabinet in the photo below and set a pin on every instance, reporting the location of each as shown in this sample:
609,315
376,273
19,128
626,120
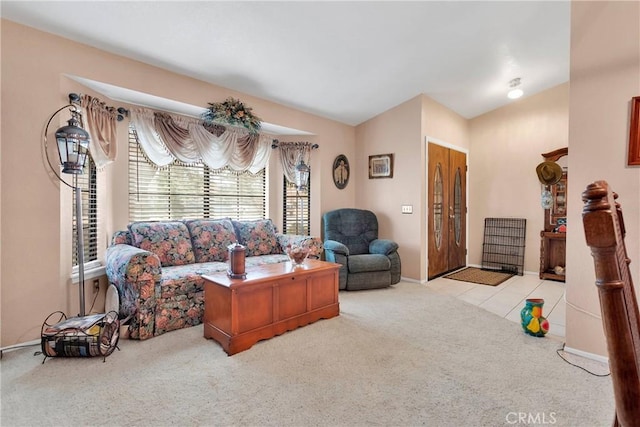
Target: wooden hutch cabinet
553,238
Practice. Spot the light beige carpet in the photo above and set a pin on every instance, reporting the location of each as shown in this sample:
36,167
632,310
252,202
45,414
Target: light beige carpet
400,356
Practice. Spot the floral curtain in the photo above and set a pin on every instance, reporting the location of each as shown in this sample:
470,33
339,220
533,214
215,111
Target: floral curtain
291,153
166,138
100,122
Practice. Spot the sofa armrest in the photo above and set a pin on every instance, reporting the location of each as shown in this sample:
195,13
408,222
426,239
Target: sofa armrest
336,247
136,273
382,246
337,252
313,243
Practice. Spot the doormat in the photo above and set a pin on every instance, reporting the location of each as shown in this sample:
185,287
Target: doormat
480,276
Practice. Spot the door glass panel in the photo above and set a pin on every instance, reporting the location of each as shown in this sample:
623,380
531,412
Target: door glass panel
457,206
437,206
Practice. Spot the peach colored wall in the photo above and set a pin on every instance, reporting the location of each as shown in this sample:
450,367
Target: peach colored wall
35,213
605,75
402,131
442,124
395,131
506,147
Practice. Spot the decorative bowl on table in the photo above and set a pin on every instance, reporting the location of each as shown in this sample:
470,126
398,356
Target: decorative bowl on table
297,254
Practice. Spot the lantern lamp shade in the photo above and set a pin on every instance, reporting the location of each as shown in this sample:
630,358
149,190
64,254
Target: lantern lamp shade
302,175
73,147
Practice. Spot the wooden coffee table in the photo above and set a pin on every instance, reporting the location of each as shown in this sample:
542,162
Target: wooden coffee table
273,299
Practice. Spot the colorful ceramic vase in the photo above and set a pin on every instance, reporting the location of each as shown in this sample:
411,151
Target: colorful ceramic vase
533,322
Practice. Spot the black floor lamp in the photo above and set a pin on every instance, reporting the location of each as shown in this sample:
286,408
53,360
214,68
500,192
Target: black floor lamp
73,147
76,336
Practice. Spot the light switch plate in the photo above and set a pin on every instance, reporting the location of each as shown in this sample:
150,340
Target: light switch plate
407,209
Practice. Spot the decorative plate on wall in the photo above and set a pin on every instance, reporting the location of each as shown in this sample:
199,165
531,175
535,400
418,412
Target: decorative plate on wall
341,171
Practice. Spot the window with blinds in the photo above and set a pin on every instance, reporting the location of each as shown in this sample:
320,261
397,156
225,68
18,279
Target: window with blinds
296,209
194,191
87,183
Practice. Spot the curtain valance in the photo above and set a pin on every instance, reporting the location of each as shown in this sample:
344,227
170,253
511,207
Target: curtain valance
166,138
100,121
292,153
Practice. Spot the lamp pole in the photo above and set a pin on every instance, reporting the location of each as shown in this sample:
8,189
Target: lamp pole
80,246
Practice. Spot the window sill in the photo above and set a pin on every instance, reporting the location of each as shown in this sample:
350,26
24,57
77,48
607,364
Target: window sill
90,272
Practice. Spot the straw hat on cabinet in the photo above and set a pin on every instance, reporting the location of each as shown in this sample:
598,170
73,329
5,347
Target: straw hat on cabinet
549,173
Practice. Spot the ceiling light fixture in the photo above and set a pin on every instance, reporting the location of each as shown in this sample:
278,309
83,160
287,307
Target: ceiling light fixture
514,89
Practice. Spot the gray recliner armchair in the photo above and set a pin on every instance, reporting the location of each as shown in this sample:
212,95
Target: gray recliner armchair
351,239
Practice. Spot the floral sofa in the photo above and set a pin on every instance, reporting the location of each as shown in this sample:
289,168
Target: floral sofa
157,267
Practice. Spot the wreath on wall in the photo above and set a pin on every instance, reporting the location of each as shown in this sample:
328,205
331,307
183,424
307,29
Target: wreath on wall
233,112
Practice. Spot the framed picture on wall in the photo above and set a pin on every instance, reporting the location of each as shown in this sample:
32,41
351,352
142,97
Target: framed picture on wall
381,166
341,171
634,133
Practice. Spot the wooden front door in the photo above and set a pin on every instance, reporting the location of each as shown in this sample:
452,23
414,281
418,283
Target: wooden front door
447,206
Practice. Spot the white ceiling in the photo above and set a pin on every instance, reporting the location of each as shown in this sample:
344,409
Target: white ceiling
347,61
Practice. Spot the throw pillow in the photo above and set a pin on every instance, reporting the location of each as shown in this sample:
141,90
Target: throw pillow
211,238
169,240
258,237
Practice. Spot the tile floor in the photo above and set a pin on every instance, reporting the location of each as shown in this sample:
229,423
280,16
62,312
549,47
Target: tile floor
507,299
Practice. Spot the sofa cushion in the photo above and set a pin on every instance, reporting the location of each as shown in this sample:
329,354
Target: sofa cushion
210,238
368,262
169,240
258,237
255,261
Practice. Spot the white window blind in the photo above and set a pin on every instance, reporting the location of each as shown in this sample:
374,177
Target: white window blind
195,191
87,182
296,209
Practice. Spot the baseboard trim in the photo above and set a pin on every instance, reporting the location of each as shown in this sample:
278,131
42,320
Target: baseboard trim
18,346
408,279
586,355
